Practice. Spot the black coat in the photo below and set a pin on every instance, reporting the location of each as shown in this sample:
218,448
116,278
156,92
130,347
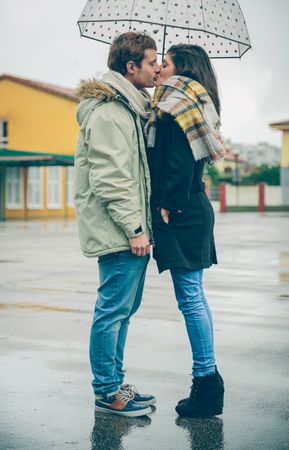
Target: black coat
187,241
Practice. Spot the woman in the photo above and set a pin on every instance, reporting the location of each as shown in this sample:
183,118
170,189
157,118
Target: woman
182,136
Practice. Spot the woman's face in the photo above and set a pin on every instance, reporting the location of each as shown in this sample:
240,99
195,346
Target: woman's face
167,70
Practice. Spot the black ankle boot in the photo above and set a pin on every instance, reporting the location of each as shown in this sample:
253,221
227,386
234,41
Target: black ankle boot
206,397
220,378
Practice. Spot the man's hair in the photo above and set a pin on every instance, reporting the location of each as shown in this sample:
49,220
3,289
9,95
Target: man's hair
129,47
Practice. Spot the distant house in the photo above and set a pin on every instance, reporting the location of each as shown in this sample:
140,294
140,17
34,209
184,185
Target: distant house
284,127
38,134
232,165
258,154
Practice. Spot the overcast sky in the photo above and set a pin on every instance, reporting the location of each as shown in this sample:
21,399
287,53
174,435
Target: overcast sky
40,40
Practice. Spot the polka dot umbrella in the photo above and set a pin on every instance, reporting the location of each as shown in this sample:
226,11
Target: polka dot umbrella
216,25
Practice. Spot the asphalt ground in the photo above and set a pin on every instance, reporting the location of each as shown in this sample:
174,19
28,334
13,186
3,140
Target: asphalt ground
47,295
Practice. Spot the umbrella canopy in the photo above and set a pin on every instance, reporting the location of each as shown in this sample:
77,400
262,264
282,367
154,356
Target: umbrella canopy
216,25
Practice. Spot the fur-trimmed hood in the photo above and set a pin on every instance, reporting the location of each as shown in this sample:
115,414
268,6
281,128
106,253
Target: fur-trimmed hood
91,92
93,88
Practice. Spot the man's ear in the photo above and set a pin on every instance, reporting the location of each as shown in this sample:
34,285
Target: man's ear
130,67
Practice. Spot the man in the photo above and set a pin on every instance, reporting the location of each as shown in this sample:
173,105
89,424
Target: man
112,202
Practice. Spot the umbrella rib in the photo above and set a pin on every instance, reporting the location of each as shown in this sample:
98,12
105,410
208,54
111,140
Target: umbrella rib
203,14
164,42
165,28
242,14
132,8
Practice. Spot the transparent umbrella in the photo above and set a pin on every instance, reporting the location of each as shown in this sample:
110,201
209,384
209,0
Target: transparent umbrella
216,25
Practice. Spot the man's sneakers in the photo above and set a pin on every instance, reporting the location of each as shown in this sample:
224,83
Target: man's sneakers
145,399
122,403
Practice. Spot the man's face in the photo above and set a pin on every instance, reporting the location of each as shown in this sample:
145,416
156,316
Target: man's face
167,70
146,74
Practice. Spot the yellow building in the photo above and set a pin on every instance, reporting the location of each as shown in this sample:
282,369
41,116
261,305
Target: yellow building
38,134
284,127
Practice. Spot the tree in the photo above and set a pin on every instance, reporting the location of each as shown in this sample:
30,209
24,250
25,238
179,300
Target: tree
263,174
213,173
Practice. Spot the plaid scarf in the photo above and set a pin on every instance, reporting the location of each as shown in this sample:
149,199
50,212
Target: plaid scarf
192,108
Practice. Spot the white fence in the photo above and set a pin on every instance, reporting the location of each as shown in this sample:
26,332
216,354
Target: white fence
273,195
258,196
242,195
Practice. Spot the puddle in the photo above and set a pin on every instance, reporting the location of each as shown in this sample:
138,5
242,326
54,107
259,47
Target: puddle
284,262
284,259
40,307
5,261
284,277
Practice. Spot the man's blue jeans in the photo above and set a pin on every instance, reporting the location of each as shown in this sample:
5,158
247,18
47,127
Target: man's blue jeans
192,303
121,277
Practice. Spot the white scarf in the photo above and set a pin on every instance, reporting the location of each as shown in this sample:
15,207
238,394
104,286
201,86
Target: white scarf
140,100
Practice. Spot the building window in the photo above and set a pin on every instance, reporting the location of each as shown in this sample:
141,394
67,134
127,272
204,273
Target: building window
14,192
54,191
3,133
35,188
70,186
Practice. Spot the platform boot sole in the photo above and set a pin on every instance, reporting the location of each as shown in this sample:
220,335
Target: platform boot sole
214,408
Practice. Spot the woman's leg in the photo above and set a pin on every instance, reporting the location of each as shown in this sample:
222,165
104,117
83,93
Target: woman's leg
195,309
210,317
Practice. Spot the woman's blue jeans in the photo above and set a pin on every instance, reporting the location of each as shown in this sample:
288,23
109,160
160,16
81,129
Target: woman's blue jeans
121,277
193,304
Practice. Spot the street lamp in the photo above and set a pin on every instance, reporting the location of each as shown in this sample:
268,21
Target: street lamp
236,177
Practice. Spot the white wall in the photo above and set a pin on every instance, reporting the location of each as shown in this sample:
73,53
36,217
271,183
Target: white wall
273,196
249,195
241,195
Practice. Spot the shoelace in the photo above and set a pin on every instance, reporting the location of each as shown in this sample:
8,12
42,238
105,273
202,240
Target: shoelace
125,395
130,388
194,389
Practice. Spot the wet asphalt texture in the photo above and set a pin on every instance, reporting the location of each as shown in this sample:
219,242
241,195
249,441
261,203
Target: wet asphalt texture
47,295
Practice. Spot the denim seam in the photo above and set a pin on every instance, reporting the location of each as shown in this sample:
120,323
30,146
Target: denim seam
116,287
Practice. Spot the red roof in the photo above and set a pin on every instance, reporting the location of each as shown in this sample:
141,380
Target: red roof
44,87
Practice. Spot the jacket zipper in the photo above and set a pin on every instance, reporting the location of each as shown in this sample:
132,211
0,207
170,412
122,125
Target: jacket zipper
145,187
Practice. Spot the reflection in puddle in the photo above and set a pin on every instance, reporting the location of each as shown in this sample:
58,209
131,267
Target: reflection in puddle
203,434
284,261
284,277
36,306
109,430
284,296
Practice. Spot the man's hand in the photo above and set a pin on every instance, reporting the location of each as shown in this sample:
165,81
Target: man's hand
140,245
165,215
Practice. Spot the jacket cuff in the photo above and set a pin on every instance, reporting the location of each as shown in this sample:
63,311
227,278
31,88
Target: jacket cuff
131,233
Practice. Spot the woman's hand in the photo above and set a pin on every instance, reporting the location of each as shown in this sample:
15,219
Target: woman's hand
165,215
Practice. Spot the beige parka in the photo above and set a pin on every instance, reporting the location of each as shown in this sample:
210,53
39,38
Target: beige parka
112,183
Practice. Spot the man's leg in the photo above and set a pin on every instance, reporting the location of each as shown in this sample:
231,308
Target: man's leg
120,275
139,398
125,323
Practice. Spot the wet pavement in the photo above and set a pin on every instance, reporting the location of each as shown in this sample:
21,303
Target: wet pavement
47,292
